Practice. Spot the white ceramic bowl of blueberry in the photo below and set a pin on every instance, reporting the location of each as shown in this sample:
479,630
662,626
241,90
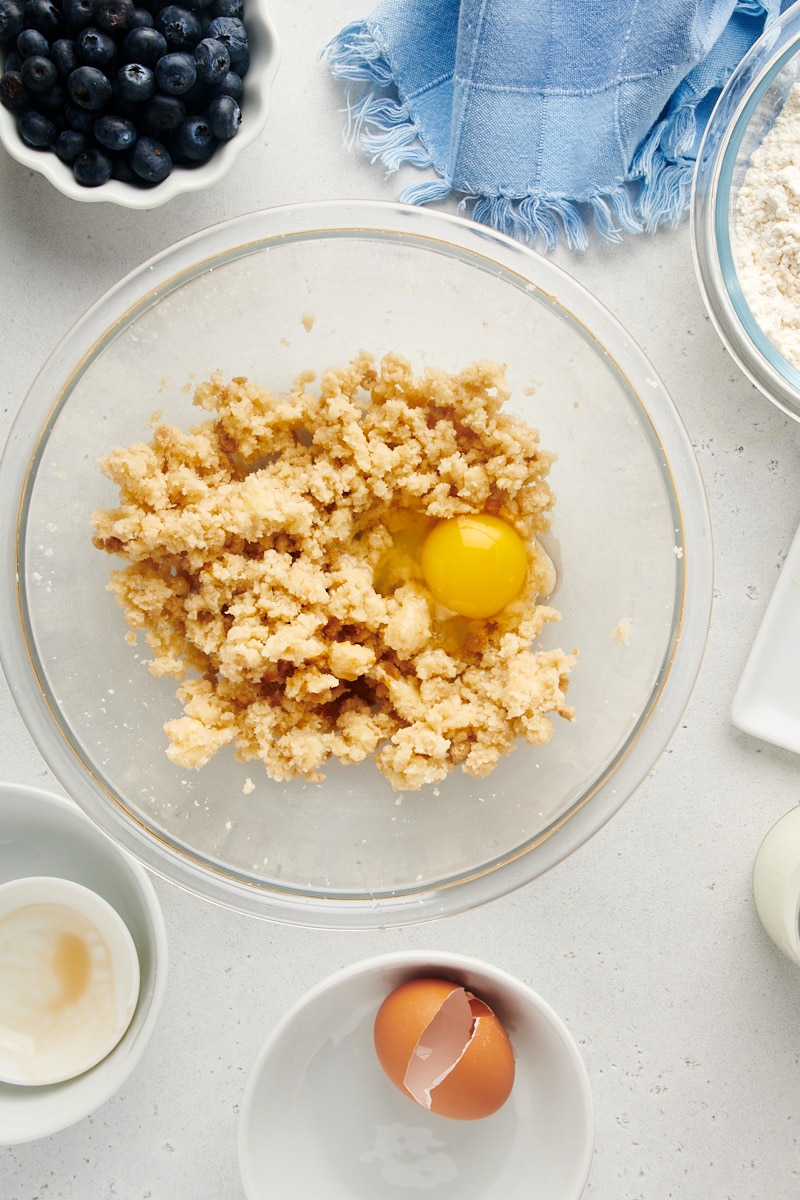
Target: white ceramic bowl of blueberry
70,109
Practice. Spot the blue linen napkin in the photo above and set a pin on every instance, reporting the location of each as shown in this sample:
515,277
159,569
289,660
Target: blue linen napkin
543,113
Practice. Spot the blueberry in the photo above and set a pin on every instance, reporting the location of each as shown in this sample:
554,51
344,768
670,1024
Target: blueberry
39,74
211,60
164,116
232,33
114,16
197,97
78,13
36,129
195,142
175,72
180,27
96,48
135,83
227,8
80,119
142,19
11,21
69,144
231,85
52,103
151,160
45,16
145,46
31,41
224,117
121,169
242,64
13,94
64,54
92,167
114,133
89,87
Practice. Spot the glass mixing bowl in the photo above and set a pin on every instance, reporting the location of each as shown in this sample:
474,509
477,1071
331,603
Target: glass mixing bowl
269,295
744,113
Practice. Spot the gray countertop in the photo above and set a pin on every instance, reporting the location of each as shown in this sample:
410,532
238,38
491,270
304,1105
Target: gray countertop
646,940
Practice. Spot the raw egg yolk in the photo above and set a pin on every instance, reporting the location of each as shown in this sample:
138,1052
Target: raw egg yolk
474,565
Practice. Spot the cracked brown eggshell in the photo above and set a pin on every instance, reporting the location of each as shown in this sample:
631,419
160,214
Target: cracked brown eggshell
444,1048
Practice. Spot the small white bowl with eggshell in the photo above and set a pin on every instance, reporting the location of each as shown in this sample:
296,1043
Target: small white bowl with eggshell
70,979
347,1097
82,931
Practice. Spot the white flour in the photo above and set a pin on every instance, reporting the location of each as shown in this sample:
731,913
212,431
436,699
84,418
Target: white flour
768,232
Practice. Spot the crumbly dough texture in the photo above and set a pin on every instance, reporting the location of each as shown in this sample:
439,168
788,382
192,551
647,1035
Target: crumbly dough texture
273,566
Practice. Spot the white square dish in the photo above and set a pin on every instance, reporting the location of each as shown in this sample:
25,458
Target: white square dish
767,701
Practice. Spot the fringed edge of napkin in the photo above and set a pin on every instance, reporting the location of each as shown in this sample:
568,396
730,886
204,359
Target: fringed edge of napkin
656,191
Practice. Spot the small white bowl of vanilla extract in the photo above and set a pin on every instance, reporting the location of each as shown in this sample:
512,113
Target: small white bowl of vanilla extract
69,980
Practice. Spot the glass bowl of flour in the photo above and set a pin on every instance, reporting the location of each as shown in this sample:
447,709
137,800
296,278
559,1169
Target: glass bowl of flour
746,214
